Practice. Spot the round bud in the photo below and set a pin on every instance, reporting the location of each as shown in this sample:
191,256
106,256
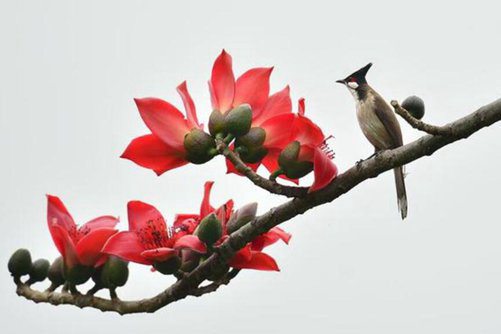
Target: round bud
20,262
56,272
254,138
114,273
210,229
169,266
39,270
252,155
200,146
288,162
415,106
241,217
238,121
216,123
298,169
78,274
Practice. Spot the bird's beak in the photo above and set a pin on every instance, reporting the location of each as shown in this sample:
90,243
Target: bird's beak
341,82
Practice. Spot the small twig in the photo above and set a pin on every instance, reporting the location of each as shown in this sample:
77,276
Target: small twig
200,291
420,125
258,180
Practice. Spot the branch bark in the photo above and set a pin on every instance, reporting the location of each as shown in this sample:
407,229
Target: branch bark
420,125
346,181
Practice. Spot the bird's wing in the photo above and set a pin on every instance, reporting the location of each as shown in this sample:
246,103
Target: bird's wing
389,120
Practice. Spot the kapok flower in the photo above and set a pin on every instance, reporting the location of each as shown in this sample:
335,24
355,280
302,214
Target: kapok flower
307,150
271,115
149,240
249,257
175,140
78,246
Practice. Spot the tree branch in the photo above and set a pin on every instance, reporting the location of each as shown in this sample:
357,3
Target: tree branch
189,285
271,186
420,125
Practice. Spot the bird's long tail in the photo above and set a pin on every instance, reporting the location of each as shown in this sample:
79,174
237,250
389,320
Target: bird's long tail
401,193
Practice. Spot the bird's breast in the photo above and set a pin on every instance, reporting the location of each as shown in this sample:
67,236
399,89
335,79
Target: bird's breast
372,127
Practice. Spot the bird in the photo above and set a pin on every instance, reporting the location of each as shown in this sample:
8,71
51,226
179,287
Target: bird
378,123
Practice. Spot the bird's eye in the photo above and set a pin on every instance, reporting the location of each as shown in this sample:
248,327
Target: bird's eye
352,85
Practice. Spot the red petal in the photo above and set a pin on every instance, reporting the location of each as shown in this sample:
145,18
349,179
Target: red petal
142,215
159,254
301,107
253,87
222,83
192,242
127,246
100,222
189,106
269,238
278,130
64,244
57,213
89,246
258,261
324,169
307,132
278,103
151,152
164,120
185,220
206,208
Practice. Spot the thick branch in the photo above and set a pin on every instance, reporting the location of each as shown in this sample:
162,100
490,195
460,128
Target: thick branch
370,168
420,125
271,186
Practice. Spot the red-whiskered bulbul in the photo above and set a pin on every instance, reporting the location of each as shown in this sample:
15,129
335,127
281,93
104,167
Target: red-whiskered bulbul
378,123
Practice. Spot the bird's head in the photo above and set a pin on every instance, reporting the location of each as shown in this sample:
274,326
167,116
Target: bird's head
357,79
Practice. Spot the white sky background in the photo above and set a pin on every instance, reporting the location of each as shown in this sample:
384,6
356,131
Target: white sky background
69,71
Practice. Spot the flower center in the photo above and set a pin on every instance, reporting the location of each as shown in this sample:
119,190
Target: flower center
154,234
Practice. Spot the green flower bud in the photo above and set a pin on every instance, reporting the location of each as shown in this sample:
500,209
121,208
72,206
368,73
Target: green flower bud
254,138
217,123
169,266
56,272
288,162
238,121
78,274
200,146
252,155
241,217
114,273
39,271
209,230
415,106
20,262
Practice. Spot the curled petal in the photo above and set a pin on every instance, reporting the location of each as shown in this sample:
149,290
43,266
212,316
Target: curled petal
278,103
151,152
269,238
186,221
58,214
222,83
89,246
159,254
164,120
206,208
127,246
278,130
306,132
64,244
191,242
189,106
258,261
253,88
100,222
324,170
301,107
144,216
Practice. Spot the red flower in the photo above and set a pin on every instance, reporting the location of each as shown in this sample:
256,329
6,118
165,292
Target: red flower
272,113
163,149
149,239
249,257
312,148
78,246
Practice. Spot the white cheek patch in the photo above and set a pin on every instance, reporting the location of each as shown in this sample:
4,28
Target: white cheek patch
352,85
